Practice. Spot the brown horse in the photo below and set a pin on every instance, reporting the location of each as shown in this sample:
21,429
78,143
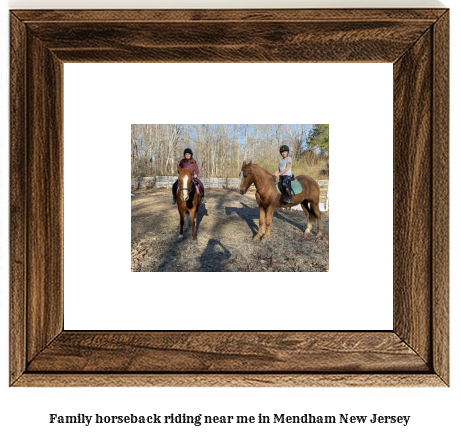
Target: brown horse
269,199
187,199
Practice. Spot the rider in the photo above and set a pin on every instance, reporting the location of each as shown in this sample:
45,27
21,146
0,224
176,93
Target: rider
284,172
189,162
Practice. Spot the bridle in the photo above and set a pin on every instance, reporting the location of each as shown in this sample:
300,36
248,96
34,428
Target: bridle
189,191
262,187
251,172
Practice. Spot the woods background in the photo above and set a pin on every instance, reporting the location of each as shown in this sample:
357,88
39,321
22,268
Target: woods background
220,149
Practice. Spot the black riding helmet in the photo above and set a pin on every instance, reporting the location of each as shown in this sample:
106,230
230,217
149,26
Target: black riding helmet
188,150
284,148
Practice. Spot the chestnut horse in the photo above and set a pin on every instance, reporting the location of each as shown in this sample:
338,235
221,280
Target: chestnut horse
269,199
187,199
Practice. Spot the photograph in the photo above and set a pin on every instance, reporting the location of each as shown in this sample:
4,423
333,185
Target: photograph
230,197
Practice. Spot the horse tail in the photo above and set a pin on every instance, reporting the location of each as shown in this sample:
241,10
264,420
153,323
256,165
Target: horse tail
308,206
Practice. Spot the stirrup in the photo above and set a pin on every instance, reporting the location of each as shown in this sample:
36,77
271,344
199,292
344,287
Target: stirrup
287,199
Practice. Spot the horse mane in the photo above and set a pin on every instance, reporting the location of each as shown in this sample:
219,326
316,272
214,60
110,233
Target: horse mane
259,166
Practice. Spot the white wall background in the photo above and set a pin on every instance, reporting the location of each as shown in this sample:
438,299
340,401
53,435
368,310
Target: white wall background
355,294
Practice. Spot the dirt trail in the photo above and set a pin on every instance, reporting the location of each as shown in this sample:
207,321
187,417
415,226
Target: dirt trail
226,225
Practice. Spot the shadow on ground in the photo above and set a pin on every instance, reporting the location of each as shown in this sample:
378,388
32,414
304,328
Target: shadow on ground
225,226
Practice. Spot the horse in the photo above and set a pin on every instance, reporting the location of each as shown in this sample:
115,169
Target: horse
188,200
269,199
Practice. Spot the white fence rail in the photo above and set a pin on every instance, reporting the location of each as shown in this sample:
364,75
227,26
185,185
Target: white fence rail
208,182
167,182
142,182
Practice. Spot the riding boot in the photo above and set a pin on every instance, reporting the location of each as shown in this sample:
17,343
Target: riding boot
286,196
202,194
288,189
174,188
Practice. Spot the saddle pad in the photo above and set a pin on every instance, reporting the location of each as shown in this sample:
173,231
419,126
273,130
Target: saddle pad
196,188
295,186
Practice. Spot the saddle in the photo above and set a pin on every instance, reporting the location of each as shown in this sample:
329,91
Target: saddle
296,187
198,188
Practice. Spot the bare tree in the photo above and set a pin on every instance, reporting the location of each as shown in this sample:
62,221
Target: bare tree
220,149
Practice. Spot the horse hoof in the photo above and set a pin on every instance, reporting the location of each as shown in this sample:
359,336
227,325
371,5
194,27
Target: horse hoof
180,237
195,242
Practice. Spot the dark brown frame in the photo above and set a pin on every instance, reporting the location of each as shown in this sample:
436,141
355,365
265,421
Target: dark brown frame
414,353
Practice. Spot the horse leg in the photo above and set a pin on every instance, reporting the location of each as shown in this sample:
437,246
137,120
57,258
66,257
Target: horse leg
262,216
192,221
187,220
312,213
304,205
318,215
270,213
181,221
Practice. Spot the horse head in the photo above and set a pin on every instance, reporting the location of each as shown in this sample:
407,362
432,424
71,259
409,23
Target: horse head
184,182
246,177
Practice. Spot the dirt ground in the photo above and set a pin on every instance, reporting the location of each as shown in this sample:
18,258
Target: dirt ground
225,228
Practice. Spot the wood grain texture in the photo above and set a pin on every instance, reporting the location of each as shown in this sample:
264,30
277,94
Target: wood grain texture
246,15
18,211
45,179
236,352
358,41
414,354
413,196
229,35
230,380
441,197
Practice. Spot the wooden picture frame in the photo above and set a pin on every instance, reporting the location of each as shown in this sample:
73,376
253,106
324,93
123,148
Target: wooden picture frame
414,353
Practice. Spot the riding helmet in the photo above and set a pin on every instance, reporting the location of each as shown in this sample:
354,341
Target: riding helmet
188,150
284,148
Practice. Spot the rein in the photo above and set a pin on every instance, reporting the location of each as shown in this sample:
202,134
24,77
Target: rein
193,184
251,172
262,187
